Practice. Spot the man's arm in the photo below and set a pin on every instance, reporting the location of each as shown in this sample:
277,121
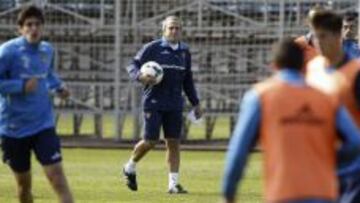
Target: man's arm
55,84
243,139
188,83
141,57
7,84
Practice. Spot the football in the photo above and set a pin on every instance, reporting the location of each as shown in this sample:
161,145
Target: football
154,69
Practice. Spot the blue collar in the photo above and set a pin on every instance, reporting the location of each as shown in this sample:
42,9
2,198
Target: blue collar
23,41
291,76
165,43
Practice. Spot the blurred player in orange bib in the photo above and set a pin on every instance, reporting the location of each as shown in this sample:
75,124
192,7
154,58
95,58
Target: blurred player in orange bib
296,126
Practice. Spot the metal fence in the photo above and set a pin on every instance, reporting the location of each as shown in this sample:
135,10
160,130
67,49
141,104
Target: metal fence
230,43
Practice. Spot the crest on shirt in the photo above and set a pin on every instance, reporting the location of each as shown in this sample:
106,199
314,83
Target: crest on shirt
25,62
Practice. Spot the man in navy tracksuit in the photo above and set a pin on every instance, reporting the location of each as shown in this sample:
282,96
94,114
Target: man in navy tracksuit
26,117
163,102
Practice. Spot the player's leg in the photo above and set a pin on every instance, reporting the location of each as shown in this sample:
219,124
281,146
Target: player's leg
152,123
23,182
173,160
57,178
173,154
172,123
141,149
16,153
47,149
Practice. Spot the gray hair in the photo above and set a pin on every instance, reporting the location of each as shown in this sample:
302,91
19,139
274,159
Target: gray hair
169,19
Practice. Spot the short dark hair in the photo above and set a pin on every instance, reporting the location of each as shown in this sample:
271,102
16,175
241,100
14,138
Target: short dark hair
29,12
349,17
327,20
288,54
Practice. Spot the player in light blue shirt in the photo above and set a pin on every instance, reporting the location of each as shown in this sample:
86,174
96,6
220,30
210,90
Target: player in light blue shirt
27,79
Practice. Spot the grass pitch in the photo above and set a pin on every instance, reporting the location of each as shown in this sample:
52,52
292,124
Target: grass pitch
94,176
65,126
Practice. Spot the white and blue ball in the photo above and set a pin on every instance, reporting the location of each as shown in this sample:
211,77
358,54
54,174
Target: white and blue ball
154,69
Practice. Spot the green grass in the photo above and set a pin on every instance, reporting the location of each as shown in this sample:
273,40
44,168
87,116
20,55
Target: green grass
65,126
94,178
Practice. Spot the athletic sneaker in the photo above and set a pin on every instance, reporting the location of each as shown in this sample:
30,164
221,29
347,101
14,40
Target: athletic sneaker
178,189
130,180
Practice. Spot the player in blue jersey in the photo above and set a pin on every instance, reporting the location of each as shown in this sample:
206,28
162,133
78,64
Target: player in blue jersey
163,103
349,35
27,124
